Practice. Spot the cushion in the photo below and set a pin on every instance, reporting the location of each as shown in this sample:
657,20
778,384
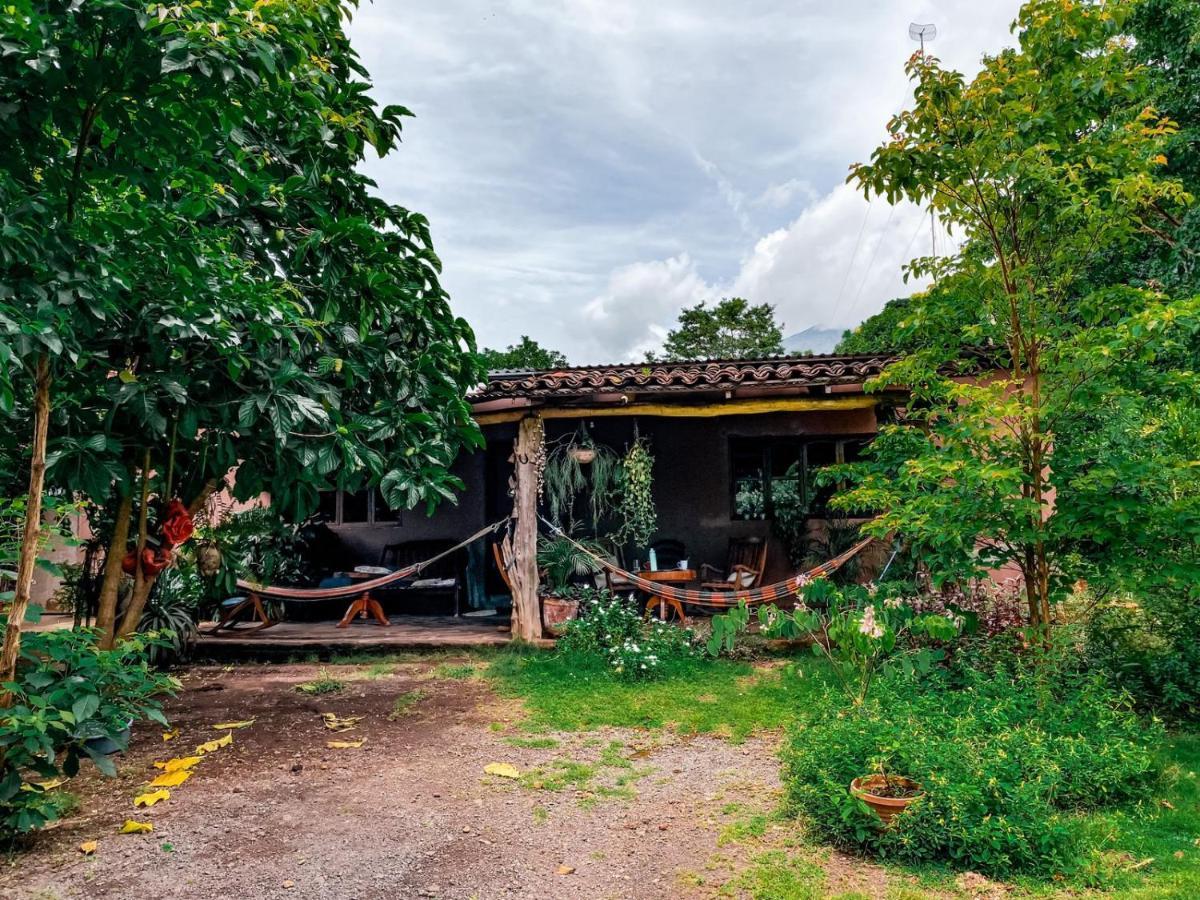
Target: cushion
741,579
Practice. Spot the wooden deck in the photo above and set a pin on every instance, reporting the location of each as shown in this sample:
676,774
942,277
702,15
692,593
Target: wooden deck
405,633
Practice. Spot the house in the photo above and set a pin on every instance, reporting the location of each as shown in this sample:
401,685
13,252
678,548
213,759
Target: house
729,437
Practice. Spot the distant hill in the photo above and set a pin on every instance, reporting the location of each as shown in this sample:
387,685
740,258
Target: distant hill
813,340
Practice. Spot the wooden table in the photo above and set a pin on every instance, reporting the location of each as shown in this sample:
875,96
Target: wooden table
668,576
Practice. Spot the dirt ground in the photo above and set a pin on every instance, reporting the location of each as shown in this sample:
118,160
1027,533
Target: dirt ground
410,813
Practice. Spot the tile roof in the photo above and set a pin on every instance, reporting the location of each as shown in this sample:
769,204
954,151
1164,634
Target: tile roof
699,375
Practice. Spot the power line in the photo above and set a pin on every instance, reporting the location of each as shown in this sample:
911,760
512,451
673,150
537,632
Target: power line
874,256
854,255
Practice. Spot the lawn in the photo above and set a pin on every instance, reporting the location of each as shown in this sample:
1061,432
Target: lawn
1149,849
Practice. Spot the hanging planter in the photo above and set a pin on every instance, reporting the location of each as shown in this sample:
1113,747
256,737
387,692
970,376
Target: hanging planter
583,455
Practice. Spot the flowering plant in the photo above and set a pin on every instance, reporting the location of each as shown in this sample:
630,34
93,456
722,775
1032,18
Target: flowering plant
610,629
860,632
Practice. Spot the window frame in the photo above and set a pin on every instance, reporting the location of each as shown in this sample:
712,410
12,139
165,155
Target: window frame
767,444
374,501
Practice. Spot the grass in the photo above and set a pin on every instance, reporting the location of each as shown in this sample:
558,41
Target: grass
454,671
405,702
723,697
324,683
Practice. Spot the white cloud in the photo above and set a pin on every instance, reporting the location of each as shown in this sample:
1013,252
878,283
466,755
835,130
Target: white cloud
590,166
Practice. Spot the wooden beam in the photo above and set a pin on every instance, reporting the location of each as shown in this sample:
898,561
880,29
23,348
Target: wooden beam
698,411
527,611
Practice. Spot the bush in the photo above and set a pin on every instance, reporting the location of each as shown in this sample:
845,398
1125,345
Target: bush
66,691
1005,745
1152,649
610,631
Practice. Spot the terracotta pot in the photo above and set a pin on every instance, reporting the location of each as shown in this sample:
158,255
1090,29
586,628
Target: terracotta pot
583,455
885,807
556,612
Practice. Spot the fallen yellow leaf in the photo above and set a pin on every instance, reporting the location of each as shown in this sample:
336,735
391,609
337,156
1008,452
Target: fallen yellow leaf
502,770
171,735
180,762
335,722
171,779
225,726
214,745
344,745
132,827
150,798
51,785
87,848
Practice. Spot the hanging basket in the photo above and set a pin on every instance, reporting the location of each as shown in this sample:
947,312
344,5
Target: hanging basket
208,560
582,455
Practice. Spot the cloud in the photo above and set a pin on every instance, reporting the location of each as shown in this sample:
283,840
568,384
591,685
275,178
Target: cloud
590,166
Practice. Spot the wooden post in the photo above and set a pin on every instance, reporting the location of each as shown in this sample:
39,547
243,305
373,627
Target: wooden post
527,613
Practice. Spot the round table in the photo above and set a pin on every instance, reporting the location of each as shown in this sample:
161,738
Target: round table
667,576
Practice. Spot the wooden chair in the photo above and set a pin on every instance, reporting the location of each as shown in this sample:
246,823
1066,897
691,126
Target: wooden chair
744,567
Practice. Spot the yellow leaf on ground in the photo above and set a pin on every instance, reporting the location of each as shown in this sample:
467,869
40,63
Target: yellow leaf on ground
225,726
151,797
214,745
87,848
171,779
344,745
502,770
335,722
51,785
132,827
180,762
171,735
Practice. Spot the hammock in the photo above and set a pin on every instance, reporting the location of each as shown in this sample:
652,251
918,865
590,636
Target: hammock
723,599
363,602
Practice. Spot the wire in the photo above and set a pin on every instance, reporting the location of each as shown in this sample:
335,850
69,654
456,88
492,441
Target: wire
874,256
854,255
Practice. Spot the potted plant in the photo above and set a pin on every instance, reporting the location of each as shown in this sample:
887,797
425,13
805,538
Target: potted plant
886,794
564,565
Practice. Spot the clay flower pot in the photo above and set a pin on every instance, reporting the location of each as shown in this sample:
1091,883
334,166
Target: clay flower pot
583,455
557,611
874,790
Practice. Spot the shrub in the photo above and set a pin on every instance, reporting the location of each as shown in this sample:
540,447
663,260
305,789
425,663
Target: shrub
1152,649
1005,745
66,691
611,632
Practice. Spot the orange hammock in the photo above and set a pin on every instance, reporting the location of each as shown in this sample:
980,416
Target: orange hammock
722,599
361,592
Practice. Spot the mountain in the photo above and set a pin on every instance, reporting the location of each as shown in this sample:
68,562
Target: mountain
812,340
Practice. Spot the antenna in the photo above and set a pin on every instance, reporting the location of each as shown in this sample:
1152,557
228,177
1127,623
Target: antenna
923,33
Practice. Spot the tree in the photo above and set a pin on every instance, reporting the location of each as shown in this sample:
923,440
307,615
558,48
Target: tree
207,272
1049,163
733,329
528,354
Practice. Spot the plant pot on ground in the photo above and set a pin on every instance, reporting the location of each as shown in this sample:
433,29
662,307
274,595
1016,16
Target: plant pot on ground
887,795
565,564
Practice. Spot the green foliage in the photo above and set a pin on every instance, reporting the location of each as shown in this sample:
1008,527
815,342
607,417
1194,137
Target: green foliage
1149,647
635,509
1006,746
259,545
66,691
1049,162
527,354
566,478
564,562
732,329
861,632
324,683
610,631
171,613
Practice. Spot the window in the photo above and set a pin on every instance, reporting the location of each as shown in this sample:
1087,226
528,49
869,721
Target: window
366,507
774,473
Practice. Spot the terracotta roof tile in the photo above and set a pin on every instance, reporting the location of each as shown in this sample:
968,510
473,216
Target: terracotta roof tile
701,375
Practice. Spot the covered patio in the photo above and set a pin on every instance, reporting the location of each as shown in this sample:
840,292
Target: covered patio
730,440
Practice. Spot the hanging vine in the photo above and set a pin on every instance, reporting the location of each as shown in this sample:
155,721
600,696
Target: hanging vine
639,517
577,465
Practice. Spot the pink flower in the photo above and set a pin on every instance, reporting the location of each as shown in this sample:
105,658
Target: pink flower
869,626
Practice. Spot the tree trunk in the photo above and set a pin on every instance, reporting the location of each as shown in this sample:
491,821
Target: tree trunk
33,527
106,609
526,614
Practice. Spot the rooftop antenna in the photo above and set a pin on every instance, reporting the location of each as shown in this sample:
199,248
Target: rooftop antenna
923,33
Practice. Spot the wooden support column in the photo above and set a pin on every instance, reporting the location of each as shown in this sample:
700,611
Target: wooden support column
527,613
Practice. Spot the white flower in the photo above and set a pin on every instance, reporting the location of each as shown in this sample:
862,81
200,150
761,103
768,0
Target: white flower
893,603
869,626
872,589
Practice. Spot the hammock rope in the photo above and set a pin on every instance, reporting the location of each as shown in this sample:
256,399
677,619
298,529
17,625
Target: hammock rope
353,590
780,590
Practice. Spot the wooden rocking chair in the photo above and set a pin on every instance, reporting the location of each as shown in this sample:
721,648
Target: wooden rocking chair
744,567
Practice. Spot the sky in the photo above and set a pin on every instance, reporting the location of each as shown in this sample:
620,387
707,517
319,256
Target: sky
590,167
